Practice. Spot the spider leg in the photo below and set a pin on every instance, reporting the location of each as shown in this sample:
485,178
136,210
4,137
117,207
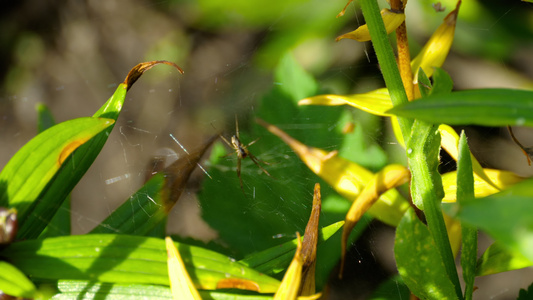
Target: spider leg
237,127
239,173
252,142
256,162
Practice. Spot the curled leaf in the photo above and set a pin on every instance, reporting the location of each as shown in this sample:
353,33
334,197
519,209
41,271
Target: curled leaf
137,71
391,19
346,177
388,178
436,49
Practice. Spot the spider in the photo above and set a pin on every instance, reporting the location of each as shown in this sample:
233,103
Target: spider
242,152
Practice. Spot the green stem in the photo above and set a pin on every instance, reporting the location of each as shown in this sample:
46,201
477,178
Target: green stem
386,60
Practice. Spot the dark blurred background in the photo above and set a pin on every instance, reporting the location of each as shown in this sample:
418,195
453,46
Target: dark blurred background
71,55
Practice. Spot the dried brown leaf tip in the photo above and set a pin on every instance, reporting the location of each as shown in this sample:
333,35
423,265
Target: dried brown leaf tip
137,71
309,245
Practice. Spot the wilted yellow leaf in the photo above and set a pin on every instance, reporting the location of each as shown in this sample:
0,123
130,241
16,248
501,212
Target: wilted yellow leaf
436,49
502,179
391,19
390,177
376,102
346,177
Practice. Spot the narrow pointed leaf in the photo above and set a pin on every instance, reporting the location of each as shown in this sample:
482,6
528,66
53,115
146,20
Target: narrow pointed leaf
465,192
486,107
450,143
290,285
346,177
436,49
418,260
502,216
309,246
376,102
502,179
80,161
391,20
124,259
29,171
180,282
276,259
14,283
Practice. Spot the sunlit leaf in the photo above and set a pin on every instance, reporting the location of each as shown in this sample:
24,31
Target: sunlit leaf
124,259
391,20
465,192
79,162
436,49
29,171
450,143
498,258
502,216
180,282
487,107
419,262
290,285
346,177
14,283
376,102
501,178
390,177
276,259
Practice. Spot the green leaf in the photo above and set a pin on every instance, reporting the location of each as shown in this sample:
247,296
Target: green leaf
276,259
465,192
140,213
14,283
418,260
386,58
486,107
497,258
31,169
77,289
293,80
392,289
124,259
442,82
60,223
424,84
502,217
427,192
79,162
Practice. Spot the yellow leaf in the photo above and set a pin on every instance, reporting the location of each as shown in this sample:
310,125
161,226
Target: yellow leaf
391,19
346,177
502,179
376,102
290,285
180,282
450,143
390,177
436,49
